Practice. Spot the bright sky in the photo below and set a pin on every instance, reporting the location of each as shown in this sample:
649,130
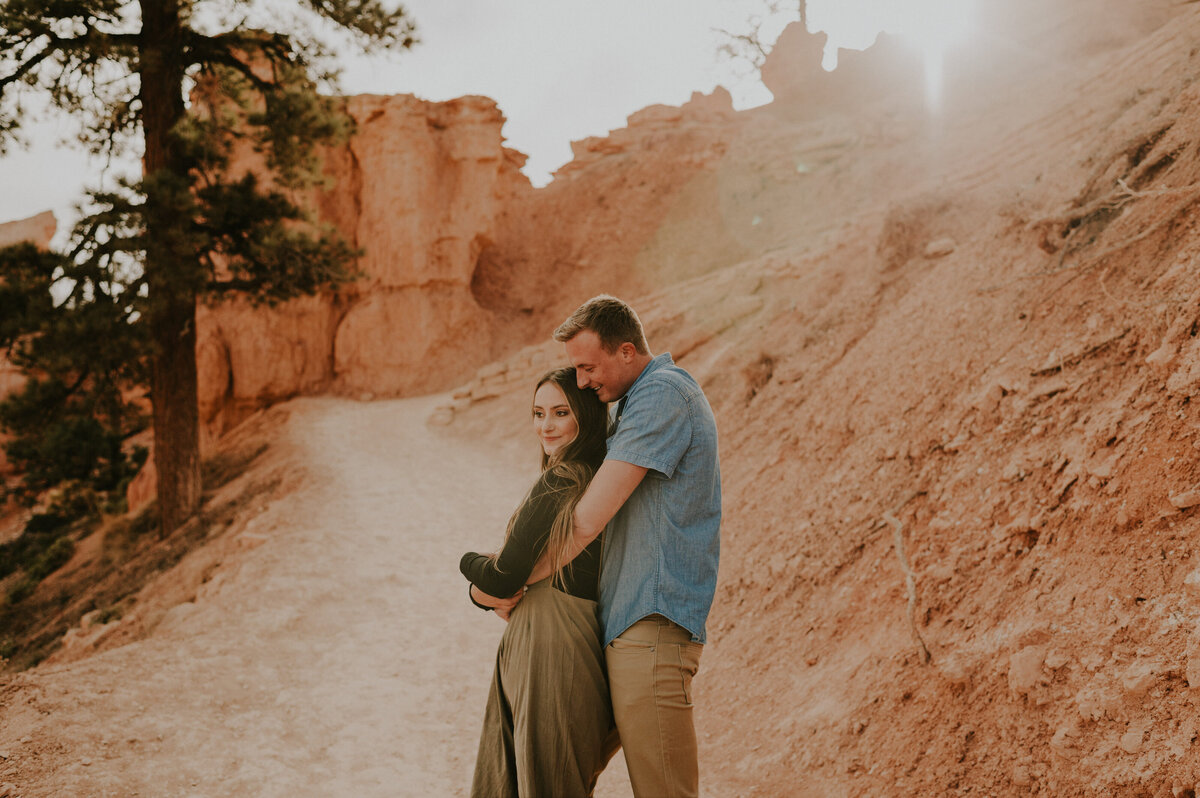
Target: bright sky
561,70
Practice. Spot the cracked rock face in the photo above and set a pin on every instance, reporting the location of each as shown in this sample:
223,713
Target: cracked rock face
418,188
463,261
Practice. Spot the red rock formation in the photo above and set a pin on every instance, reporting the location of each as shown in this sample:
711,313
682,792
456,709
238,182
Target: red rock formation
463,261
635,210
796,79
418,187
37,229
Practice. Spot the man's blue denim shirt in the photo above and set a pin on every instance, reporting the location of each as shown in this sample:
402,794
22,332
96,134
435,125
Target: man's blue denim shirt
661,548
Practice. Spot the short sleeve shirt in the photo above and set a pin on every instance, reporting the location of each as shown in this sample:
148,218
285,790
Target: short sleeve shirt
661,548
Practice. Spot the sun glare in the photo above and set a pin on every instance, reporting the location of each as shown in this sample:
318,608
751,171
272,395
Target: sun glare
932,26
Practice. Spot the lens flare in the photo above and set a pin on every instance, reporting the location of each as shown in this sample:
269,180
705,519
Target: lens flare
932,26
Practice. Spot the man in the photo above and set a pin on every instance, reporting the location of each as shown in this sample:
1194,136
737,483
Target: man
659,494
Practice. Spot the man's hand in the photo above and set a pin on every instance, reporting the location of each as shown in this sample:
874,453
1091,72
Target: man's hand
501,606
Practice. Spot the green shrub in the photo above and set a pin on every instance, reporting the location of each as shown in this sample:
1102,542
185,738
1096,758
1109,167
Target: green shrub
22,590
47,522
56,556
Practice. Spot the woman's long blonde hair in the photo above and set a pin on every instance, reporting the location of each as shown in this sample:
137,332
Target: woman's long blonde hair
574,464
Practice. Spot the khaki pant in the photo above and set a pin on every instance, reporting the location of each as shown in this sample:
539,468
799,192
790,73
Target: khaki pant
547,726
650,670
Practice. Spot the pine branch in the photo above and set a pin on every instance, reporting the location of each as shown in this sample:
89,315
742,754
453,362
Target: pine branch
207,51
90,46
26,67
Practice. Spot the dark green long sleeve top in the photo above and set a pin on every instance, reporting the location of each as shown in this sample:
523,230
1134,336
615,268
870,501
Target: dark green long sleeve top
506,574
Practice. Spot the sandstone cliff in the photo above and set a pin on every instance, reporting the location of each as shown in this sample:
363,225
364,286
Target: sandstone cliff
417,188
463,261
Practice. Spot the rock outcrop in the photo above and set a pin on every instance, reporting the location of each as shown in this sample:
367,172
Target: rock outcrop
37,229
418,189
462,260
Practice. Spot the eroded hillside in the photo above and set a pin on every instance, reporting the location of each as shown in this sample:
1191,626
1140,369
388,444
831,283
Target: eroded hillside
999,370
971,338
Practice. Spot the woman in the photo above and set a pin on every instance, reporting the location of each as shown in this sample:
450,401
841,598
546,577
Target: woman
546,728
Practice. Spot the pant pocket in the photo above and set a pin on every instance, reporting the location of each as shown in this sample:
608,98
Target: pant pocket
689,664
623,646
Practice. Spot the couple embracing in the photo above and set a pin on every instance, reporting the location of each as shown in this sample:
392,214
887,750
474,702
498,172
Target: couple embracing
618,544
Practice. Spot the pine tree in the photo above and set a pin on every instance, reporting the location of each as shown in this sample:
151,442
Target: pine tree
182,83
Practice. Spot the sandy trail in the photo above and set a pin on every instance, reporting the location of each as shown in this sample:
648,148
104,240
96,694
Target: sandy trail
338,658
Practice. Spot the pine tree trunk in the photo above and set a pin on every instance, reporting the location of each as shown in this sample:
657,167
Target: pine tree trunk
176,414
172,317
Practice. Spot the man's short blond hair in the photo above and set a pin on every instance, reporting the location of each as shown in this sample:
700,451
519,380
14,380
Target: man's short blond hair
613,322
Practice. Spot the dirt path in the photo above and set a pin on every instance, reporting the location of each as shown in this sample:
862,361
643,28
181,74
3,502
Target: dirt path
338,658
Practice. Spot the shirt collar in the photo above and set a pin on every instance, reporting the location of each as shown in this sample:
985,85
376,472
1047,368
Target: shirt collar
657,362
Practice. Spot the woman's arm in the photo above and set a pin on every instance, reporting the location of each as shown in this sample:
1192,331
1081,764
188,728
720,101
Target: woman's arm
505,574
614,482
501,606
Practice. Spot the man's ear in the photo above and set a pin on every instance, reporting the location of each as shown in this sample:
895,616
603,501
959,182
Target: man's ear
628,352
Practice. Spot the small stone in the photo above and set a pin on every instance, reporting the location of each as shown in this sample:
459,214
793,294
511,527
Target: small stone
1163,357
1192,671
486,392
250,540
1131,742
26,739
956,673
1139,678
1063,741
940,248
85,762
1013,473
490,370
1090,705
940,573
1021,776
1192,581
441,417
1025,669
1182,501
1050,388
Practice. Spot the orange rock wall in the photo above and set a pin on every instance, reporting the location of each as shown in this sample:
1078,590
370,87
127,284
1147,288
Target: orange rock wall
418,188
463,261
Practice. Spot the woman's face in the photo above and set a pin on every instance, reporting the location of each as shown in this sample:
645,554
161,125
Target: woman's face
553,421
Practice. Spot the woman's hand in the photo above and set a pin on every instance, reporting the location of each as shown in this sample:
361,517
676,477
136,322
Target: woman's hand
501,606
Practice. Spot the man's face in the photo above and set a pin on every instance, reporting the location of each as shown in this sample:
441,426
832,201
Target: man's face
607,373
